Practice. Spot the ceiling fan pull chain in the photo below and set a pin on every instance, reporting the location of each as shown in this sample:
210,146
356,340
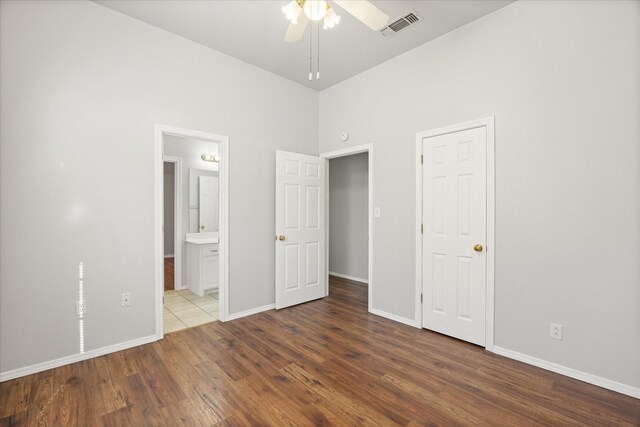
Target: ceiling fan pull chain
310,45
304,13
318,53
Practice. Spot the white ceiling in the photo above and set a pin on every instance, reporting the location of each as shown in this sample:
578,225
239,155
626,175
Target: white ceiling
253,31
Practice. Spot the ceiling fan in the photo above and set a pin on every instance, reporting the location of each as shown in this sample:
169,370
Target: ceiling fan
299,12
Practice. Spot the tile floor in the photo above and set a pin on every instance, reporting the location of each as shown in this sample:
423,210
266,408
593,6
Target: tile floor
183,309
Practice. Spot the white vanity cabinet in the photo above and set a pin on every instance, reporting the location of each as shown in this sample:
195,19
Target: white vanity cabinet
204,267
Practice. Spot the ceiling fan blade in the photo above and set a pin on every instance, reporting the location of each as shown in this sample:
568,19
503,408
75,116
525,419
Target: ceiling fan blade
365,12
296,31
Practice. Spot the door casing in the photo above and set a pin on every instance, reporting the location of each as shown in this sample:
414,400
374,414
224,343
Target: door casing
488,123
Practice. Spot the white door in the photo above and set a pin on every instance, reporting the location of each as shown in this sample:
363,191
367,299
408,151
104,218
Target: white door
455,228
208,203
300,238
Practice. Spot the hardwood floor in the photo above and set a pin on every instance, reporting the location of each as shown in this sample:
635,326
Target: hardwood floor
169,274
327,362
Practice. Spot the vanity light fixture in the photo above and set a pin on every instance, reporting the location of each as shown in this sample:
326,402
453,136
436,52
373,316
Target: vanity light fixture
210,157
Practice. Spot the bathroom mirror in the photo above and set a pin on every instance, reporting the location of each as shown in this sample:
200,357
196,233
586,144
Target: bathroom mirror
203,201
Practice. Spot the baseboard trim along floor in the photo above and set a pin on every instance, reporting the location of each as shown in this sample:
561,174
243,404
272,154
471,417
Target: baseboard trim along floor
39,367
234,316
569,372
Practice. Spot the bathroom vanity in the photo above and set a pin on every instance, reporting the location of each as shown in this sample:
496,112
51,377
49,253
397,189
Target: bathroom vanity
203,273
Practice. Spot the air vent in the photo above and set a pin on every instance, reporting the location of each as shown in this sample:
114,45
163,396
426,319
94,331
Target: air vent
400,24
412,18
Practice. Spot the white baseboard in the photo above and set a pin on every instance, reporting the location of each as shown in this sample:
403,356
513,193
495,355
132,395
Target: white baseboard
234,316
169,256
570,372
39,367
345,276
394,317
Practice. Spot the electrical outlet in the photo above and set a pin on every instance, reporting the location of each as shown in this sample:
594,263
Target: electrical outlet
555,331
125,300
81,308
376,212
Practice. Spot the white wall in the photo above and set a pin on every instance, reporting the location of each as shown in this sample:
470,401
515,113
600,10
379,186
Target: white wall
83,86
82,89
190,151
169,211
562,80
349,215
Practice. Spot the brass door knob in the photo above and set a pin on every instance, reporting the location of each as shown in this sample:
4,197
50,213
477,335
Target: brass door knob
281,237
478,248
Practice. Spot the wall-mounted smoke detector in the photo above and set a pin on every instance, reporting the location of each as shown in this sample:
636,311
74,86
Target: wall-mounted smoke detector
400,24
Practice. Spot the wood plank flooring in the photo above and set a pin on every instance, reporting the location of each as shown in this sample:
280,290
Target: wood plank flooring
323,363
169,273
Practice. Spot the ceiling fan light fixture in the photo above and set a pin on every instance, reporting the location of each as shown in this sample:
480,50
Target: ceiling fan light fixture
315,9
330,19
292,11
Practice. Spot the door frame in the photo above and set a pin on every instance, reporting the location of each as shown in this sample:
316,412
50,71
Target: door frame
488,124
364,148
223,173
177,219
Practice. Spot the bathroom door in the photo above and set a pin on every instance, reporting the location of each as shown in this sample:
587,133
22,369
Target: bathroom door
208,203
300,228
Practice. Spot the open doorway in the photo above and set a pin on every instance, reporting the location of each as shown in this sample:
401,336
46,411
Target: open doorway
192,260
349,216
171,202
197,237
